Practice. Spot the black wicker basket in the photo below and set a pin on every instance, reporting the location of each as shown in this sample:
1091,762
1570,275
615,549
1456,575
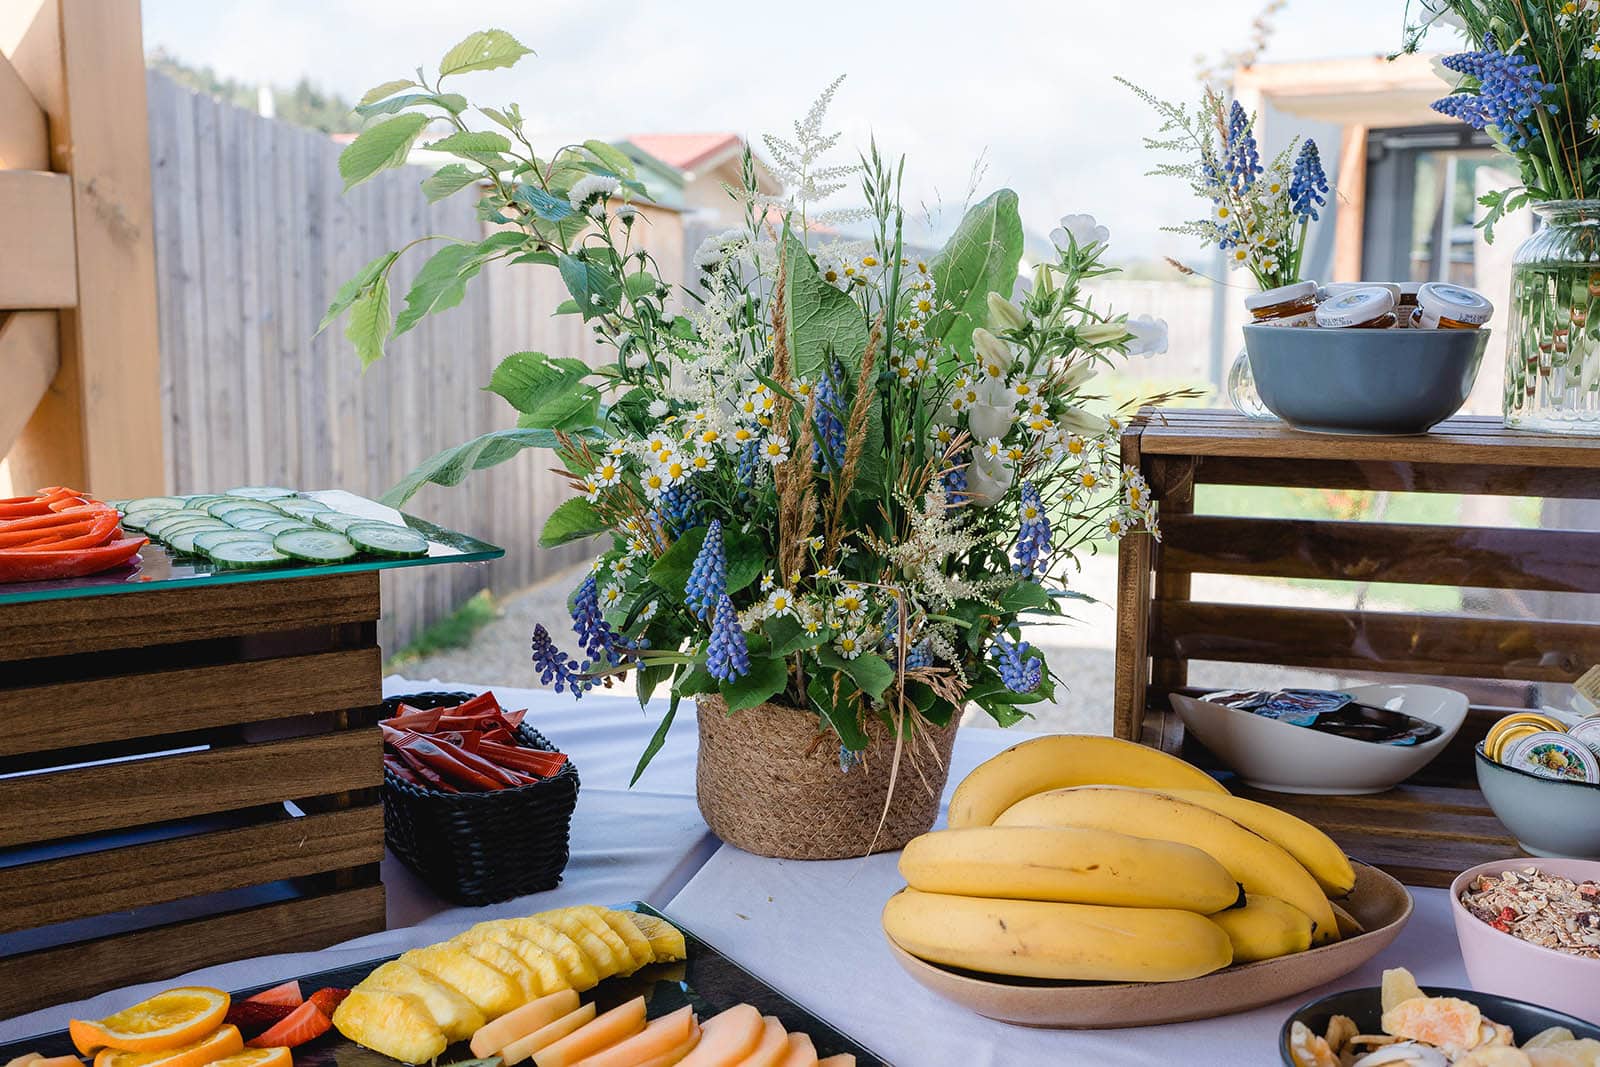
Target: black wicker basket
481,848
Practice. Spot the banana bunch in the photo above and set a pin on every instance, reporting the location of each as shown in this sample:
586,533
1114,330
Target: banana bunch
1093,859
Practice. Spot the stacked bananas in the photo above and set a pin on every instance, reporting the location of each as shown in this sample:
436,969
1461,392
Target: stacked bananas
1092,859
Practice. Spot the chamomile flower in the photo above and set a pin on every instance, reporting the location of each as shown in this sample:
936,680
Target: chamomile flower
849,644
1076,446
622,565
816,543
852,602
780,602
591,490
1592,124
674,469
944,437
1222,212
741,436
1238,257
825,574
597,565
1086,478
1269,264
1023,390
654,483
802,389
775,450
992,449
617,450
1591,51
608,473
813,626
1116,525
610,596
648,612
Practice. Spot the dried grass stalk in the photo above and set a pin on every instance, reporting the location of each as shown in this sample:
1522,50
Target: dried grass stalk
855,433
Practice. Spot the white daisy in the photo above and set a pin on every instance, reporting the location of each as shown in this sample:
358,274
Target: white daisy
848,644
775,450
780,602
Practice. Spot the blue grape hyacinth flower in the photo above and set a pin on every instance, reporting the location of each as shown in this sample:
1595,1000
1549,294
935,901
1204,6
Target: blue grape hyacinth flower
1019,672
555,667
828,448
1510,90
598,640
727,656
1308,183
708,578
1033,533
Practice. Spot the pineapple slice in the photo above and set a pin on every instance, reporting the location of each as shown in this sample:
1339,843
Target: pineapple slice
666,940
452,1013
606,962
490,991
396,1025
579,969
590,918
507,963
546,970
638,945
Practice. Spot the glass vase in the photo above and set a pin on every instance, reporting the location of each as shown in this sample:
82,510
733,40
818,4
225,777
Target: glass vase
1552,345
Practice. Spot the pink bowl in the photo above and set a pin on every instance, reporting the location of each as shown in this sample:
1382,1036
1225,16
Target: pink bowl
1499,963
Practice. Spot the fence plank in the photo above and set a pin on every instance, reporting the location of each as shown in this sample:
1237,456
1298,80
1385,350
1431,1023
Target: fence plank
29,356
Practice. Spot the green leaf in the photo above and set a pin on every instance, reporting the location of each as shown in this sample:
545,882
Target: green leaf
369,323
380,147
872,674
658,739
697,681
454,103
842,716
587,282
788,636
574,520
351,289
471,143
981,257
744,553
549,393
378,92
769,676
484,50
451,466
440,284
510,118
1026,596
612,158
648,677
450,178
547,207
566,411
640,283
821,318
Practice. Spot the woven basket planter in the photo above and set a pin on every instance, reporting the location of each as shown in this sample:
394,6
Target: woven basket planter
768,781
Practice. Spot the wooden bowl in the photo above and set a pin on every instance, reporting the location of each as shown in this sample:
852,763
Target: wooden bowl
1380,903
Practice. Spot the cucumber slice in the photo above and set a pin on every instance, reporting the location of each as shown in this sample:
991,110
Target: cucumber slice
206,540
301,508
182,541
172,522
245,555
386,539
140,503
314,546
199,503
223,508
255,520
338,521
278,526
136,520
261,492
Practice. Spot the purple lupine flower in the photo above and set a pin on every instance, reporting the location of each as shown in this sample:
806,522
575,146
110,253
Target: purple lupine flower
1308,183
727,656
1508,93
599,642
1019,672
555,667
708,577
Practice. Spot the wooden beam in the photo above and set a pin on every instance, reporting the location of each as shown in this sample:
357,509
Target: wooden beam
29,356
1350,218
24,134
30,37
37,266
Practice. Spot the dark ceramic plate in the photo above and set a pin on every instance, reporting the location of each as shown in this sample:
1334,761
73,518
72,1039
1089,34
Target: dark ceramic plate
1365,1008
707,979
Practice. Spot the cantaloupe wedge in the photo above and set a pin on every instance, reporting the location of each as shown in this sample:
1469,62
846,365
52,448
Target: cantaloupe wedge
802,1053
611,1028
490,991
726,1039
579,969
25,1058
453,1014
666,940
659,1037
522,1048
515,1025
605,962
675,1056
502,959
638,945
843,1059
772,1048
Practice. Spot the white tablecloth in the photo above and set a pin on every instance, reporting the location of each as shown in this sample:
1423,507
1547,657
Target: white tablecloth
810,929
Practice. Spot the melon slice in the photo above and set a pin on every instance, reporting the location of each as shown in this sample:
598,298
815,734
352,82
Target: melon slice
605,962
637,944
666,940
660,1037
522,1048
615,1026
579,969
675,1056
452,1013
726,1039
843,1059
772,1048
515,1025
801,1052
490,991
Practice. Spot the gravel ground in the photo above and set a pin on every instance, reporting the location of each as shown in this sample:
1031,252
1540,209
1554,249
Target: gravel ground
1082,651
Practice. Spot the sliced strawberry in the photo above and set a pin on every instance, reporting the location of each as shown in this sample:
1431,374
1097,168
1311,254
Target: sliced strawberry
328,999
287,993
254,1016
305,1023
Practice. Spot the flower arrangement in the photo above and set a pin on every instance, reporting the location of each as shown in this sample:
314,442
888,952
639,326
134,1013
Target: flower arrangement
832,473
1259,215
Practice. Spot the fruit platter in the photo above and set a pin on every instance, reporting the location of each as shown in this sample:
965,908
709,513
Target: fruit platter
583,986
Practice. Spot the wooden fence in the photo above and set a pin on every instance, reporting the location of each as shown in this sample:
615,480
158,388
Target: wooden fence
253,236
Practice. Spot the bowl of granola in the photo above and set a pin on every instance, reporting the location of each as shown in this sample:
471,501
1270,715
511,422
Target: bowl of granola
1531,929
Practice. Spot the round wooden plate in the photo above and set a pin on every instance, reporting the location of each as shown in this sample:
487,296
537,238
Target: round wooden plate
1380,903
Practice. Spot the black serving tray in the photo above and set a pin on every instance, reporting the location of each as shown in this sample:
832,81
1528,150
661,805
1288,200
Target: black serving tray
707,979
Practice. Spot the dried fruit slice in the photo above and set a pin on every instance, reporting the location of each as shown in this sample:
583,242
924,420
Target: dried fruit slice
666,940
223,1041
579,969
456,1016
167,1020
1448,1022
490,991
396,1025
1398,987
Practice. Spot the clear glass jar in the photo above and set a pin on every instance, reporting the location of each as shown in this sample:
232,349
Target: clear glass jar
1242,393
1552,348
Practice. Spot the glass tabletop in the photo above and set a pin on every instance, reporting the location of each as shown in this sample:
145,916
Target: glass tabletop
159,569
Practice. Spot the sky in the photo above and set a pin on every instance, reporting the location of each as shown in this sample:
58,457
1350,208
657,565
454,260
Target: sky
1025,85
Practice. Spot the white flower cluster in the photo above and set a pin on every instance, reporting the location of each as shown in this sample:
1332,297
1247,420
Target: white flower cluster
590,193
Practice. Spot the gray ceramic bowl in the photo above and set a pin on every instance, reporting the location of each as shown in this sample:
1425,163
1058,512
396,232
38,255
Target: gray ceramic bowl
1548,818
1364,381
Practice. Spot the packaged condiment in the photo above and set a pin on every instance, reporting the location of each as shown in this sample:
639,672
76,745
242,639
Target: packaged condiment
1407,303
1287,305
1442,306
1365,307
1515,727
1588,732
1554,754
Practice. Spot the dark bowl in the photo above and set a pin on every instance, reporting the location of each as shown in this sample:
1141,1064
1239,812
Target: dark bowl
1364,381
1365,1008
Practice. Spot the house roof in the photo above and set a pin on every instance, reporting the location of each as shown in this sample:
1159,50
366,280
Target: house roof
688,151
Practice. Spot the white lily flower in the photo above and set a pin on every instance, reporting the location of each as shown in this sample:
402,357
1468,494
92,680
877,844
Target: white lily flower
994,355
1080,228
1078,375
1149,336
1081,422
994,414
987,480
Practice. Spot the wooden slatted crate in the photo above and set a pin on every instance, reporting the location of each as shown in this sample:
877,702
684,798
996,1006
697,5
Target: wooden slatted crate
187,776
1433,826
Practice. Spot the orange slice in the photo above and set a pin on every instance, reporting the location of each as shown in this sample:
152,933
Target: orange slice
167,1020
257,1057
222,1042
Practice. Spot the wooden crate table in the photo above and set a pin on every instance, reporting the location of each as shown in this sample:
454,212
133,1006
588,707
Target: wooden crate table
189,768
1431,827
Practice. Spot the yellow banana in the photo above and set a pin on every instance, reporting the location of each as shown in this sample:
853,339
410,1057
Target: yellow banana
1256,863
1063,760
1068,864
1314,849
1349,925
1264,929
1040,939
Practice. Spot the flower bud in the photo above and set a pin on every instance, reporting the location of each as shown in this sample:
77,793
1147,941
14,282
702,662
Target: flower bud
1004,315
1097,333
987,481
991,350
1078,375
1043,282
1083,423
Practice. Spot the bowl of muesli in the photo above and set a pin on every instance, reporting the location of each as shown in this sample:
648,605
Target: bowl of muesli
1531,929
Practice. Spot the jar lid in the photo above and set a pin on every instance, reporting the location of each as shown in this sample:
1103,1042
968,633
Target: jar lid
1333,289
1407,288
1551,754
1455,302
1588,731
1293,293
1358,305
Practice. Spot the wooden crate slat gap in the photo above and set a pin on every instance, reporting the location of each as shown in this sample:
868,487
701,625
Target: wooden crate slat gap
1564,483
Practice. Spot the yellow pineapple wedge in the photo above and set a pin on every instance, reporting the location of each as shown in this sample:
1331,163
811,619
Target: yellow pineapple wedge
396,1025
578,967
452,1013
548,974
490,991
666,940
606,962
591,917
507,963
638,945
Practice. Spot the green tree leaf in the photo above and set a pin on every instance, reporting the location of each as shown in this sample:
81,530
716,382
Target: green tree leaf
821,318
595,289
981,257
450,178
788,636
451,466
351,289
454,103
547,207
871,674
440,284
573,520
573,410
369,323
471,143
658,739
612,158
483,50
378,92
841,716
698,680
768,676
379,147
1027,596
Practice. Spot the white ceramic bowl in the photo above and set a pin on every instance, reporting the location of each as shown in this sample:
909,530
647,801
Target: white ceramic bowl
1285,758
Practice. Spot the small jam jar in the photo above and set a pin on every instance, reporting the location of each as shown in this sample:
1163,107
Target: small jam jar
1287,305
1365,307
1408,302
1442,306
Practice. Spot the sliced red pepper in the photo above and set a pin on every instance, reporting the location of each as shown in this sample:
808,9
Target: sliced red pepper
36,566
96,531
38,504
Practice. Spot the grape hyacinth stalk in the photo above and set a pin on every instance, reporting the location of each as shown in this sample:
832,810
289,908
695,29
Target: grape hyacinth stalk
1033,534
1019,672
1509,91
555,667
708,577
727,656
595,636
828,449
